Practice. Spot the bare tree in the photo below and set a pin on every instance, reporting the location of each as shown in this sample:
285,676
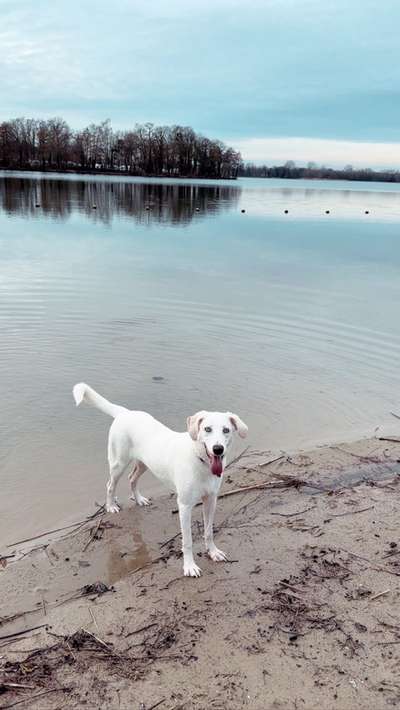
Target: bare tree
144,150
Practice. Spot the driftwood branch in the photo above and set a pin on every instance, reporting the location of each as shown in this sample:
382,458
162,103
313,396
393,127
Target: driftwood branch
299,512
48,532
34,697
235,460
351,512
93,534
282,482
269,461
18,685
25,631
65,527
142,628
152,707
96,638
170,539
378,568
395,439
360,457
380,594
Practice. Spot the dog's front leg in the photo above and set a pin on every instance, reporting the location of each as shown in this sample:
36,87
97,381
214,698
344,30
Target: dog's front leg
209,505
190,569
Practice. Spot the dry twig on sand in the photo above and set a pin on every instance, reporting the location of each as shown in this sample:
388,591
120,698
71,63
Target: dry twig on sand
235,460
25,631
394,439
270,461
380,594
281,482
65,527
152,707
378,568
299,512
34,697
360,457
93,533
351,512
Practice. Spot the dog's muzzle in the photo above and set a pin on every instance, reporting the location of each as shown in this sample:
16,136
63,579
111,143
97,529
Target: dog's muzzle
216,460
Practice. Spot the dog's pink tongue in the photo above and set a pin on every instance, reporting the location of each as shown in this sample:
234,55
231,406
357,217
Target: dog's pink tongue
216,465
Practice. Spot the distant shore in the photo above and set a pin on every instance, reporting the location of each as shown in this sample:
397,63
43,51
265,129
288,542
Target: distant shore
290,171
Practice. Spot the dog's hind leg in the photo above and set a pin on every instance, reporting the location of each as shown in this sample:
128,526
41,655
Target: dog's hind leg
138,470
119,458
117,468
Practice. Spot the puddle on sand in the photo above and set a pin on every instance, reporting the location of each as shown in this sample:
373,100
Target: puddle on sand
119,563
59,574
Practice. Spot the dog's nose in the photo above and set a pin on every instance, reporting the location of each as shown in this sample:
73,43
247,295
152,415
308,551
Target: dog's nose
218,450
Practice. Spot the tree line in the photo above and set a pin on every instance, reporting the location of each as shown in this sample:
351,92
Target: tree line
148,150
314,172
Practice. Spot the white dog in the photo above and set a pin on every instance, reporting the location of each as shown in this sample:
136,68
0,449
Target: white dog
192,462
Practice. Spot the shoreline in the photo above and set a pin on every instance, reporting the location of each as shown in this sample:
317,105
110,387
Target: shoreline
154,489
290,619
194,178
119,173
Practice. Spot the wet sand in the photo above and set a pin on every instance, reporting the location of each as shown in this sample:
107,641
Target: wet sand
305,614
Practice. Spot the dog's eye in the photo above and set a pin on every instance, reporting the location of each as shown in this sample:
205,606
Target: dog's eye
226,430
208,429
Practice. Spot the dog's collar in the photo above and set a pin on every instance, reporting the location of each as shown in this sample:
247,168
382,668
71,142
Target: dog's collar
206,461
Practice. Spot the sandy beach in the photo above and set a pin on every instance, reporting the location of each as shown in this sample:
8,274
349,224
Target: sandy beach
305,614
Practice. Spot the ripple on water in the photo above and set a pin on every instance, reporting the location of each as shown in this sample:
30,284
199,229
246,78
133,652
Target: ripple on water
123,301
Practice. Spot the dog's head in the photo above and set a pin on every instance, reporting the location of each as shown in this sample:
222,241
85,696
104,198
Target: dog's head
214,431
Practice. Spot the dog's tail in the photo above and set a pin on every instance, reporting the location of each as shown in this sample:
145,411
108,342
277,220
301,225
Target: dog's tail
82,392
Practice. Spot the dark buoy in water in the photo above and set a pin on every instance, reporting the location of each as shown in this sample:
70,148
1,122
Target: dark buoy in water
286,211
197,209
243,211
147,207
94,207
327,212
366,211
37,205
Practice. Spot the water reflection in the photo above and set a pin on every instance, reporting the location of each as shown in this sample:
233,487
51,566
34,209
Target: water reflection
102,201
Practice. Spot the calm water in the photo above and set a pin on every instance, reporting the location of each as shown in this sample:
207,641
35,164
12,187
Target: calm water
289,319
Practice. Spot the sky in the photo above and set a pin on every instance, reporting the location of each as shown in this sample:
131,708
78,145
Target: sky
308,80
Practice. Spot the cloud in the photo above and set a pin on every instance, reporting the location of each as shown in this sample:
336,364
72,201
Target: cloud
228,68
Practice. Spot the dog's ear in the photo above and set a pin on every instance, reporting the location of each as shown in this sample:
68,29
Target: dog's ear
193,424
239,425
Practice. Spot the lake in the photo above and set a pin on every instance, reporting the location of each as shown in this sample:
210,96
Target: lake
165,296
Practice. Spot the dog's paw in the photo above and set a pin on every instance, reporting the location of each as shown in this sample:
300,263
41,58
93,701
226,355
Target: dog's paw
141,500
217,555
113,507
191,570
